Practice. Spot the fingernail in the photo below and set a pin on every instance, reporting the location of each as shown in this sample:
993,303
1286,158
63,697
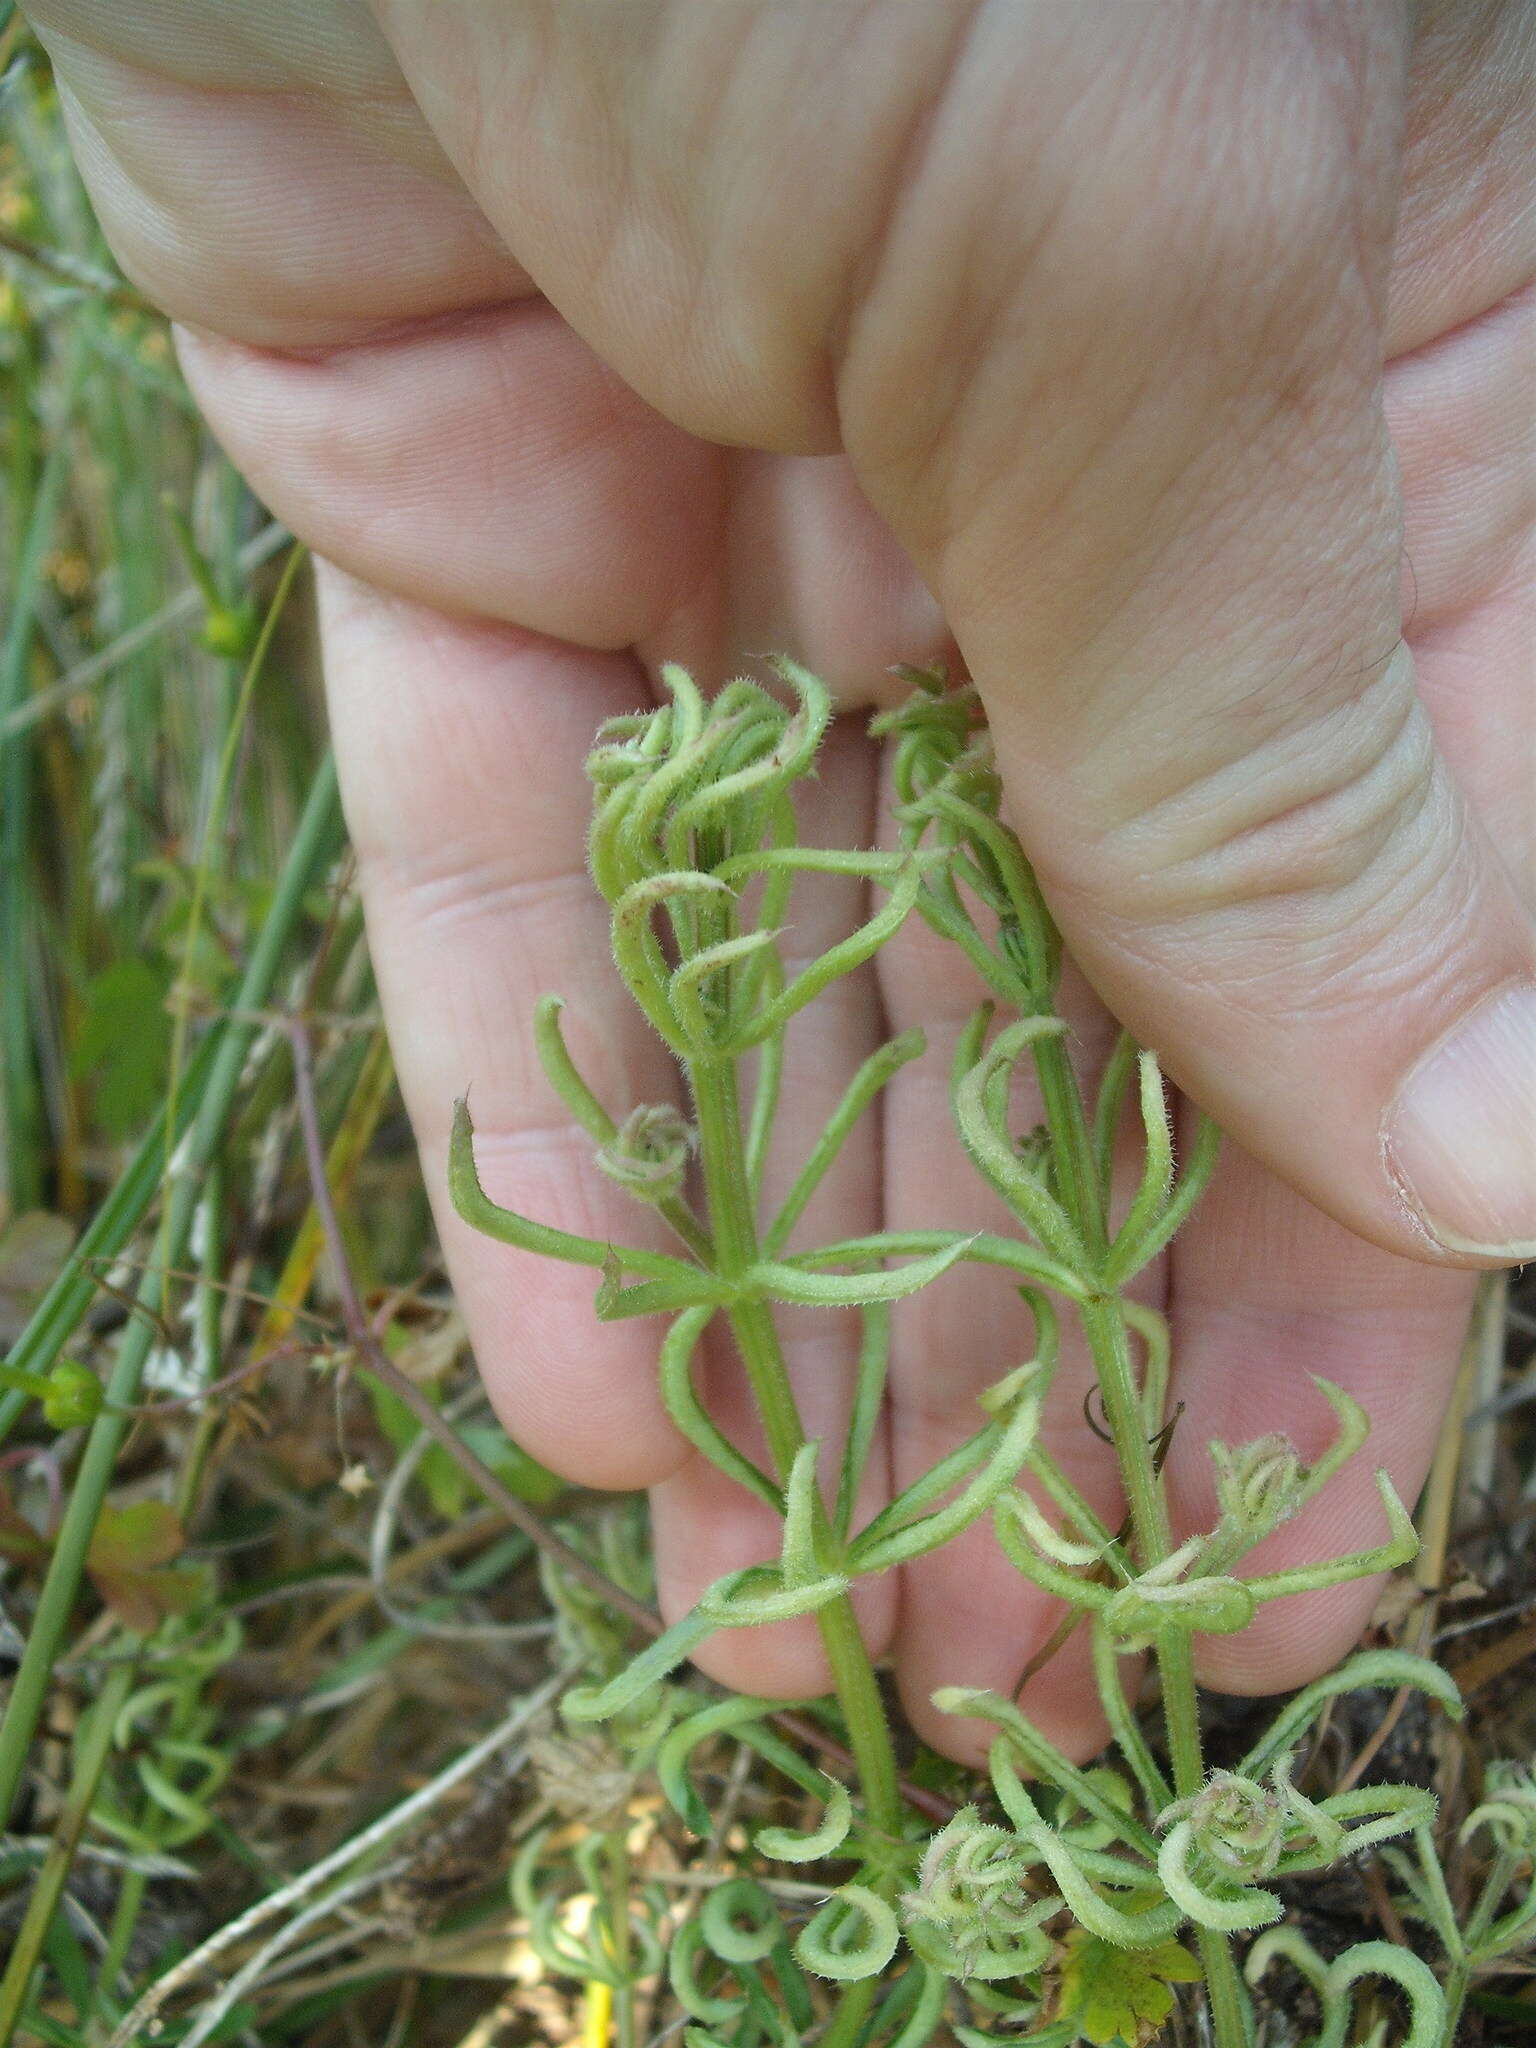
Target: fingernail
1461,1137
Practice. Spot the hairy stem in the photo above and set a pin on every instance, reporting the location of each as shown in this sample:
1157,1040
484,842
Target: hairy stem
1072,1154
717,1106
847,2022
1105,1326
1107,1332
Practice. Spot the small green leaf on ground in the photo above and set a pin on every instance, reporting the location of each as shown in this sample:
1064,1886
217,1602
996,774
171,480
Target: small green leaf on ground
124,1044
130,1565
1120,1995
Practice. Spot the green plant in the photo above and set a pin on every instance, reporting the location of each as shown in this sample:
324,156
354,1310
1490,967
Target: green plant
694,822
1481,1936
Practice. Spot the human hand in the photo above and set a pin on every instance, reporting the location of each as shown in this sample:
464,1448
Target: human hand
585,338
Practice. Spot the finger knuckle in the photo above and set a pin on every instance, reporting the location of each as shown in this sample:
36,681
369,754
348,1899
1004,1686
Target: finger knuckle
1342,819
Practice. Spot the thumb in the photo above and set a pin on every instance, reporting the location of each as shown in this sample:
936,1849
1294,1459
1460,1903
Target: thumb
1316,936
1155,494
1092,298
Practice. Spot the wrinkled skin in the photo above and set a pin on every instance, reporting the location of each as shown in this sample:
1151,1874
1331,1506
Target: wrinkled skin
1166,358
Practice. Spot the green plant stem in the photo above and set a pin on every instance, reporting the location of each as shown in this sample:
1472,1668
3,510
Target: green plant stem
125,1921
618,1874
1108,1337
91,1761
313,844
847,2023
21,1102
1072,1153
718,1108
1458,1981
1506,1865
223,777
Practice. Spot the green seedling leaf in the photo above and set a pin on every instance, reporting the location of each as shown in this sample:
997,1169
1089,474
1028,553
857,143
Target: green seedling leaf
1121,1994
442,1477
130,1564
124,1044
130,1560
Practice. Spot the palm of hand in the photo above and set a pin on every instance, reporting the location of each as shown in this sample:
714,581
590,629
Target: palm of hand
525,539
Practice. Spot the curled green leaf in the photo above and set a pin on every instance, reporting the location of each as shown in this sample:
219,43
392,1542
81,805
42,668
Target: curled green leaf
561,1073
866,1084
878,1552
1048,1540
1044,1759
1130,1256
654,1663
740,1921
838,960
854,1936
1383,1811
790,1846
705,1011
685,1952
971,1914
984,1248
636,950
1009,1520
1207,1901
993,1150
675,1752
648,1154
1374,1669
1157,1169
507,1227
1145,1610
1354,1427
1400,1548
1141,1926
1334,1983
686,1287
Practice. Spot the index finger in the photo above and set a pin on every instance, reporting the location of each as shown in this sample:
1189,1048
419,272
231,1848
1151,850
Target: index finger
460,747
